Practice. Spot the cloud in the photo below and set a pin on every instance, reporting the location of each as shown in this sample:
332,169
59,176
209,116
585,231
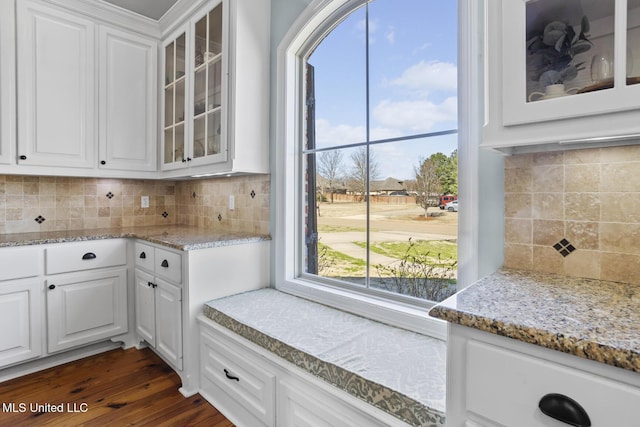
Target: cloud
429,76
328,135
361,27
414,116
391,35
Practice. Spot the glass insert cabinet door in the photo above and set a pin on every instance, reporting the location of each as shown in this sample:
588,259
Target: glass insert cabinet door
174,100
569,58
207,85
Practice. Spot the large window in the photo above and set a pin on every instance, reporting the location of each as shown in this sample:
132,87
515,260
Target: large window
378,153
365,119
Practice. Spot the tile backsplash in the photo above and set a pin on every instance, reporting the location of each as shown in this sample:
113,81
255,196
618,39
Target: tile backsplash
575,213
35,203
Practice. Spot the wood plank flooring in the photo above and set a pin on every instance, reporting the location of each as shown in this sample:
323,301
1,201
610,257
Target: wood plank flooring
117,388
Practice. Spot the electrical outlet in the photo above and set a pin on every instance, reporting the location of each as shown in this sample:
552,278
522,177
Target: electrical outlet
144,201
232,202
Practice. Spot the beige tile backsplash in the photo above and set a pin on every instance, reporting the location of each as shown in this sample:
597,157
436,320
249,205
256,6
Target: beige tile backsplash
589,197
33,203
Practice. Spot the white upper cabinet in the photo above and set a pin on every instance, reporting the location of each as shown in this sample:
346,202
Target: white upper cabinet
128,101
7,83
225,91
174,54
87,93
562,74
56,97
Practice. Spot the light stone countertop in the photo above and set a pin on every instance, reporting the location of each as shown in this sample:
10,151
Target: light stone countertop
182,237
593,319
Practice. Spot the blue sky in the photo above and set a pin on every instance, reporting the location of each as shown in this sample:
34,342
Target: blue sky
413,79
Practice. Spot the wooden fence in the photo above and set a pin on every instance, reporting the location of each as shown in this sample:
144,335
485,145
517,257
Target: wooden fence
387,200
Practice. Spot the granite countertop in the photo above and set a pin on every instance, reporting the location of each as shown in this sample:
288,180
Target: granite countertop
180,237
593,319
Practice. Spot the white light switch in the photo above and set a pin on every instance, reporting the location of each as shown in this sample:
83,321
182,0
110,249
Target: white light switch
232,202
144,201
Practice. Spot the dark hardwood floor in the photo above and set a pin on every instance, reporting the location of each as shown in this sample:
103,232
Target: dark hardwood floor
118,388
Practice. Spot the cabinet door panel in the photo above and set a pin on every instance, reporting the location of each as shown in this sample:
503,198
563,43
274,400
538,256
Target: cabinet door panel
87,307
7,82
21,307
302,405
56,88
169,322
128,67
506,387
145,308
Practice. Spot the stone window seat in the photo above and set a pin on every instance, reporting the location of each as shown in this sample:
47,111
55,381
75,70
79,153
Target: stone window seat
397,371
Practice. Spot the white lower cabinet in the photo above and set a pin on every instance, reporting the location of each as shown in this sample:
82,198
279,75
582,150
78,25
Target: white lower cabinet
494,381
59,297
300,404
86,307
237,381
159,316
21,308
253,388
171,287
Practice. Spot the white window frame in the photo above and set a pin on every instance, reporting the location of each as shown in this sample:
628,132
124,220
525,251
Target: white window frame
321,16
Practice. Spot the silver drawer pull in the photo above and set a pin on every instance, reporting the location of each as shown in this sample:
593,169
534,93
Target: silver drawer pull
89,255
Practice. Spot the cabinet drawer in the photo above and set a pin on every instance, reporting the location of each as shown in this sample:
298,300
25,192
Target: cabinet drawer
240,375
168,265
506,387
85,255
16,263
145,256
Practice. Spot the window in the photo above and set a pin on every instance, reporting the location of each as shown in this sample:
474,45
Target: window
367,114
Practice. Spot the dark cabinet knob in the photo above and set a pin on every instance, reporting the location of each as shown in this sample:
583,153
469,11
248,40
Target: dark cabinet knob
165,264
102,162
184,160
89,255
149,284
23,157
52,286
143,255
188,159
565,409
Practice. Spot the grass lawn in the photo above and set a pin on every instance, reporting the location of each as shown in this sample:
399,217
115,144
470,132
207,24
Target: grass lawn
339,263
442,249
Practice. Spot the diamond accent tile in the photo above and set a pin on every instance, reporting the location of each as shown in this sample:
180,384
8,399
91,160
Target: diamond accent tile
219,217
165,214
564,247
109,195
40,219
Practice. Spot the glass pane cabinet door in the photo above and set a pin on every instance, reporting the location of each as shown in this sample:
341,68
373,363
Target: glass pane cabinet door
569,48
565,59
174,101
633,42
207,85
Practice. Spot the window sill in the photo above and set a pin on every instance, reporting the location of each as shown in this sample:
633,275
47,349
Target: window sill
388,312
